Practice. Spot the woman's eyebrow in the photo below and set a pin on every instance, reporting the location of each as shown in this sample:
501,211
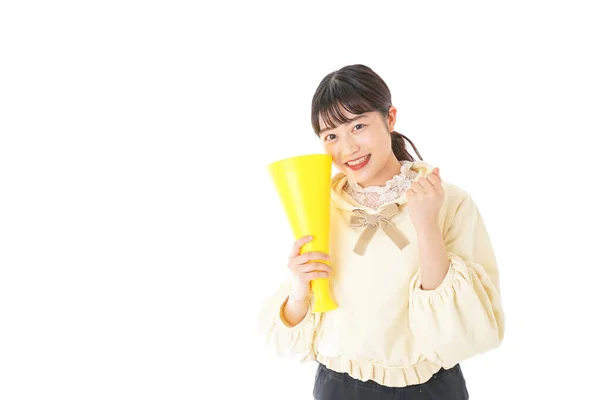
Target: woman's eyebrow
347,123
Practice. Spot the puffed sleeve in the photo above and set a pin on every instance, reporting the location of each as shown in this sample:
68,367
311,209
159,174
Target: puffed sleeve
288,341
463,316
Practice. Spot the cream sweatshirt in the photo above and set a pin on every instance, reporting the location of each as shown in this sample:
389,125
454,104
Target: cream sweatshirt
386,328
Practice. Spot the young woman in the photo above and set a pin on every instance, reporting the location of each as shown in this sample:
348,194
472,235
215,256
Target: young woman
414,272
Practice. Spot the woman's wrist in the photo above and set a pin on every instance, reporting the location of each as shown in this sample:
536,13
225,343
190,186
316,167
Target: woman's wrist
299,293
294,311
298,298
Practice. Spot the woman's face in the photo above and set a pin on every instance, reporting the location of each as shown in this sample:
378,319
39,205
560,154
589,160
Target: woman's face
362,148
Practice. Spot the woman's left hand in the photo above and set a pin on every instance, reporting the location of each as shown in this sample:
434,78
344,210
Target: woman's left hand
425,197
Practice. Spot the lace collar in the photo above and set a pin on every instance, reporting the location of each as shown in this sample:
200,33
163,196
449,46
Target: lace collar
376,196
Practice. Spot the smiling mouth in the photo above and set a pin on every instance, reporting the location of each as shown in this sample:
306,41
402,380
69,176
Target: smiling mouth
358,160
358,163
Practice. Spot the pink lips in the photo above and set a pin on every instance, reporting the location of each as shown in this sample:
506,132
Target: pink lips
361,165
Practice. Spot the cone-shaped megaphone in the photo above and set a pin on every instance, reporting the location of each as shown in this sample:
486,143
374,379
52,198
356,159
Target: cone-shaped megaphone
304,187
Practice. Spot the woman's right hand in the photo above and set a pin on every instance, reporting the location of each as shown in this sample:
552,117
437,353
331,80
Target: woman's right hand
304,268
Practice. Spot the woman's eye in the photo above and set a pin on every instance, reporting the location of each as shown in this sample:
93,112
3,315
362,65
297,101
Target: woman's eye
328,136
359,125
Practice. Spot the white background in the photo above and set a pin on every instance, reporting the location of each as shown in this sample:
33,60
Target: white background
139,231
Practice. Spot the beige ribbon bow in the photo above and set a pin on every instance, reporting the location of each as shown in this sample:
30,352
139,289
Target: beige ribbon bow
372,222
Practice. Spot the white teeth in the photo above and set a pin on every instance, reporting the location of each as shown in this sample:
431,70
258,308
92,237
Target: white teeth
360,160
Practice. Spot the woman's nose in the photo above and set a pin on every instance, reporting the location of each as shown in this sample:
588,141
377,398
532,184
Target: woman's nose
349,147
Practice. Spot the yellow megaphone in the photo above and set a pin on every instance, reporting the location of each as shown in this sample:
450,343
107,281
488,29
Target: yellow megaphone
304,187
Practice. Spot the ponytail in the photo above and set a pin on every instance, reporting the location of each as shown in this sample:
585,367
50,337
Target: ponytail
399,147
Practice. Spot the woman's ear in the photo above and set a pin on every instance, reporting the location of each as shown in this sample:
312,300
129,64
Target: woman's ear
391,119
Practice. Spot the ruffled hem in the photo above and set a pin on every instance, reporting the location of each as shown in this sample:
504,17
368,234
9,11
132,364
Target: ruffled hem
387,376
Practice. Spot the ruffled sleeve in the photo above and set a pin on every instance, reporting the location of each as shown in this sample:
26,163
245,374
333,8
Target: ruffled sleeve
288,341
463,316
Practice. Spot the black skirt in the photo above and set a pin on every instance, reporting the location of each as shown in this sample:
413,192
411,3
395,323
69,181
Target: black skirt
444,384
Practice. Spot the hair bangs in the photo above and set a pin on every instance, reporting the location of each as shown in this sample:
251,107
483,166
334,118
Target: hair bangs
333,99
